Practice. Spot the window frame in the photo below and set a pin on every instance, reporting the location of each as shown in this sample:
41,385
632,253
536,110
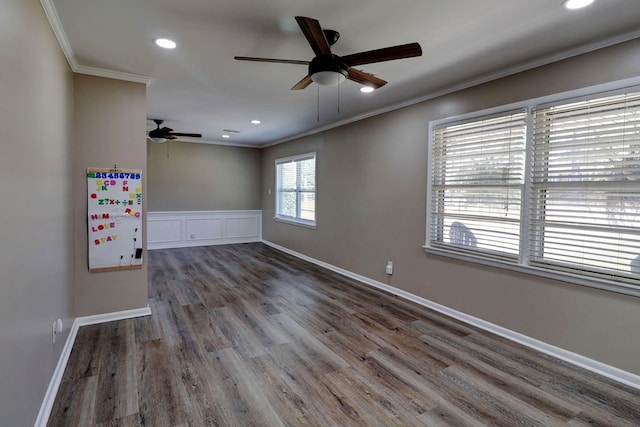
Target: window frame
296,220
523,264
492,128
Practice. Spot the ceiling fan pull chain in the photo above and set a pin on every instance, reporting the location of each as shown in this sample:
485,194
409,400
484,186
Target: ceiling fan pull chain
338,95
318,105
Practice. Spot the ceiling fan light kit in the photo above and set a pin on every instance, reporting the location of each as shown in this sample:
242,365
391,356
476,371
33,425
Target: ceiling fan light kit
328,78
327,72
327,69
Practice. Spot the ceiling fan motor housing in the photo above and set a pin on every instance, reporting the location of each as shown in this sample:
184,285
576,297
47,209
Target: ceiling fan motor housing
332,36
328,71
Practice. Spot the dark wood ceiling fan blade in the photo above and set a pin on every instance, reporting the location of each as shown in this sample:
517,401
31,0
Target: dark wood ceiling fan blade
279,61
315,36
306,81
385,54
365,78
192,135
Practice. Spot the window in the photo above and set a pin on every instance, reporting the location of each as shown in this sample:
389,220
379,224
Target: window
296,189
478,179
552,189
585,187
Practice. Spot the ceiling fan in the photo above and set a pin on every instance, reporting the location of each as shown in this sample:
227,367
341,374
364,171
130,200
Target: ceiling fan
164,134
329,69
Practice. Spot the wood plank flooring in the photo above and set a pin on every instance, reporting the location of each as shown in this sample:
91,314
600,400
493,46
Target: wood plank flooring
244,335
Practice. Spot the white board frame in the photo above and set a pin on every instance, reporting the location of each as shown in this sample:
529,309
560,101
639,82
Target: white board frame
114,219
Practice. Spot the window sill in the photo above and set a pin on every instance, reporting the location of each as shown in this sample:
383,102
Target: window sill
299,222
620,288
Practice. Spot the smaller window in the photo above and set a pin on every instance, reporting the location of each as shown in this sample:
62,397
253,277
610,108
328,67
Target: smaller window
296,189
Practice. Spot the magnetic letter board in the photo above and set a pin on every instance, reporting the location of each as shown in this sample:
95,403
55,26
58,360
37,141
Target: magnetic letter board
114,200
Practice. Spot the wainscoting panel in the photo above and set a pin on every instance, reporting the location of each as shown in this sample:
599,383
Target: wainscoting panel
238,228
204,229
165,230
179,229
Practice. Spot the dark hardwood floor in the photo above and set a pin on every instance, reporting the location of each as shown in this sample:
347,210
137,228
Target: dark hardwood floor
244,335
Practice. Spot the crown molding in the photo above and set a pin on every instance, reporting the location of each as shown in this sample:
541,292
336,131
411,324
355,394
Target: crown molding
519,68
56,25
54,20
110,74
209,142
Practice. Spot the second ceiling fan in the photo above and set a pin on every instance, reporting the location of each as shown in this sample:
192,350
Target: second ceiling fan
328,69
164,134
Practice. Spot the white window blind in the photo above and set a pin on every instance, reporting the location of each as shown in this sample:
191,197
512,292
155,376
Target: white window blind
477,179
296,189
585,188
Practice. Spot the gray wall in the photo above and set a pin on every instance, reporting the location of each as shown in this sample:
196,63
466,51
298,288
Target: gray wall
190,176
371,180
110,120
371,194
36,262
54,125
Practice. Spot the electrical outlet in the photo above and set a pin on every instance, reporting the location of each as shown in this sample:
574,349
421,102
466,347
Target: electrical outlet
389,268
193,236
56,328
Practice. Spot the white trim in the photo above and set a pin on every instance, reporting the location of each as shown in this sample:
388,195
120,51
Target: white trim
110,74
181,229
111,317
63,41
591,282
296,158
522,266
56,25
294,221
213,142
565,54
600,368
56,379
54,20
613,87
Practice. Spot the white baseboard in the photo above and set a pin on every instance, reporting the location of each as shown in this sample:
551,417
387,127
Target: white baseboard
54,384
600,368
180,229
110,317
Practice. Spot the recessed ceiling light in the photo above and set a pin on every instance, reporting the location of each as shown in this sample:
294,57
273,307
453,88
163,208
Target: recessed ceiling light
256,122
165,43
226,136
366,89
576,4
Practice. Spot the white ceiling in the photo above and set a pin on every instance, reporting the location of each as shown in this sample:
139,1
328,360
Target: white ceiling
199,87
